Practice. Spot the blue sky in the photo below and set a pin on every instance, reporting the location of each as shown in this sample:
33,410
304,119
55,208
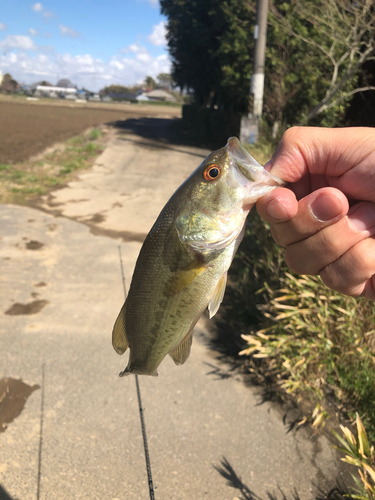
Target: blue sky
92,42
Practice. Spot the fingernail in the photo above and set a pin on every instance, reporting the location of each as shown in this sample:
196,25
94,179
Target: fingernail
326,207
361,218
275,210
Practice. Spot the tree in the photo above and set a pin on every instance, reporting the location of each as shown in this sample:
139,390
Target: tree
315,52
343,35
65,83
165,80
150,83
210,43
118,89
9,85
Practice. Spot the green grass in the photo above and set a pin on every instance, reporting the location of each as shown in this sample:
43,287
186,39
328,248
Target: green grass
25,181
94,134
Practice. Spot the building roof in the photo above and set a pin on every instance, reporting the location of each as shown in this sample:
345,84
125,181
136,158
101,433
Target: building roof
160,94
55,89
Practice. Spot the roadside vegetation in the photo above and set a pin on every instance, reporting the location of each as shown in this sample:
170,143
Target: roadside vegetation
22,182
300,340
294,334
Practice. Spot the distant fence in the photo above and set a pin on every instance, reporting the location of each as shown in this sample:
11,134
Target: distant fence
210,126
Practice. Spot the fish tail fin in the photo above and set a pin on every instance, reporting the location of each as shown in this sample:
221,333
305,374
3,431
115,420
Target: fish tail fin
119,340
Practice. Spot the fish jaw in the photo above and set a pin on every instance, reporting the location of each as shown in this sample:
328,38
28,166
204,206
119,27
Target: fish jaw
254,179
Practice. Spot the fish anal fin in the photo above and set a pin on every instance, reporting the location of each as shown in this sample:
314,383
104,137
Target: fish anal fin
217,298
181,353
183,278
119,340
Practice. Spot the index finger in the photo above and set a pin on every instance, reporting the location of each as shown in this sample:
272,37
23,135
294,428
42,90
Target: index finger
323,151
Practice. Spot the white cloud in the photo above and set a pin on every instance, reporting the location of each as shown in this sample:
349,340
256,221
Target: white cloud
37,7
48,35
158,35
144,57
2,27
84,70
136,48
19,55
48,14
68,31
117,64
17,42
154,3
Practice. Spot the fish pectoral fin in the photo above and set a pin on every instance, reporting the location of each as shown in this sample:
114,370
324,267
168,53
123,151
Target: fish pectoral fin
119,340
217,298
181,353
183,278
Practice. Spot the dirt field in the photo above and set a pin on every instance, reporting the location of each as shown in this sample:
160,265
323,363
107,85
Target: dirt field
29,127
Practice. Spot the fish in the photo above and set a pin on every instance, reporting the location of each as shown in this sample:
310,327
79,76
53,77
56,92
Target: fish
183,263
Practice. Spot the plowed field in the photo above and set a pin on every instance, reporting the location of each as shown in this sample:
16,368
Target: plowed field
28,128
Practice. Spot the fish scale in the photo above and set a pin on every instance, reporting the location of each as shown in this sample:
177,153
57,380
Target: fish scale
183,263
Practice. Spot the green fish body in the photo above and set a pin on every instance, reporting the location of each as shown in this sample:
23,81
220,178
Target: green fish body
183,263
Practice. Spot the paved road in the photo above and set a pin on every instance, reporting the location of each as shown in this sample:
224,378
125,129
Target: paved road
78,435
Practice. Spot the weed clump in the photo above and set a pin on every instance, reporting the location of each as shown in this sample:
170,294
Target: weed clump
311,341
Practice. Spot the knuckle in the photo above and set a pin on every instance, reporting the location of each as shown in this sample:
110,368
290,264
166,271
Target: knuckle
329,278
291,133
334,281
277,236
294,264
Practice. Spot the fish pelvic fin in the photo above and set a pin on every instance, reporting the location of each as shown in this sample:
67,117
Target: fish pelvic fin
217,298
119,340
181,353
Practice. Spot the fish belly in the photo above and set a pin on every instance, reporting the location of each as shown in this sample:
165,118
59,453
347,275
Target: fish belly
155,323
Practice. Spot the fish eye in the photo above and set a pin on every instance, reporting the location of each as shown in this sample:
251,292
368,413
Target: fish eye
212,172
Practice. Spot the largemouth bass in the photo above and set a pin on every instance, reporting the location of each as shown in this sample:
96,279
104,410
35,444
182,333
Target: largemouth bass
183,263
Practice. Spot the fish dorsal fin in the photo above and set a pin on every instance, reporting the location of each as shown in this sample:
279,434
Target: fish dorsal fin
181,353
217,298
183,278
119,340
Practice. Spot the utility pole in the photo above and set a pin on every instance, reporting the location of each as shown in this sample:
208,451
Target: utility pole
250,123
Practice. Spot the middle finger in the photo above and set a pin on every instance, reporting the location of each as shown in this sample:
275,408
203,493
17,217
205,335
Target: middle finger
311,255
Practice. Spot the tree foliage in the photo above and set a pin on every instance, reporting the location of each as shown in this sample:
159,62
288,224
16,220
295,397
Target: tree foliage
211,51
9,85
164,80
315,50
340,36
150,83
119,89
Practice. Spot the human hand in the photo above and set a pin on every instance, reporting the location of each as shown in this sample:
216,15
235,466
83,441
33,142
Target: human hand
326,218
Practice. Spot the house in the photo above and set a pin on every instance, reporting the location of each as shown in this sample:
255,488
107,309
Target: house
142,97
54,92
160,95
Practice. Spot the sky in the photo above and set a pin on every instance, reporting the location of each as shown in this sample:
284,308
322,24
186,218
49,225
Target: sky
94,43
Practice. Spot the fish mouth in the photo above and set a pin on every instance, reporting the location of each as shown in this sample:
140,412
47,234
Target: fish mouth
246,164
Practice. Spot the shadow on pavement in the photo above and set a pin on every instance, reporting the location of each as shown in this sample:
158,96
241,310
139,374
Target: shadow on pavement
4,495
233,480
161,132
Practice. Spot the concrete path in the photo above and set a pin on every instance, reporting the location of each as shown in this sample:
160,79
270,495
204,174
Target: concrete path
78,435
